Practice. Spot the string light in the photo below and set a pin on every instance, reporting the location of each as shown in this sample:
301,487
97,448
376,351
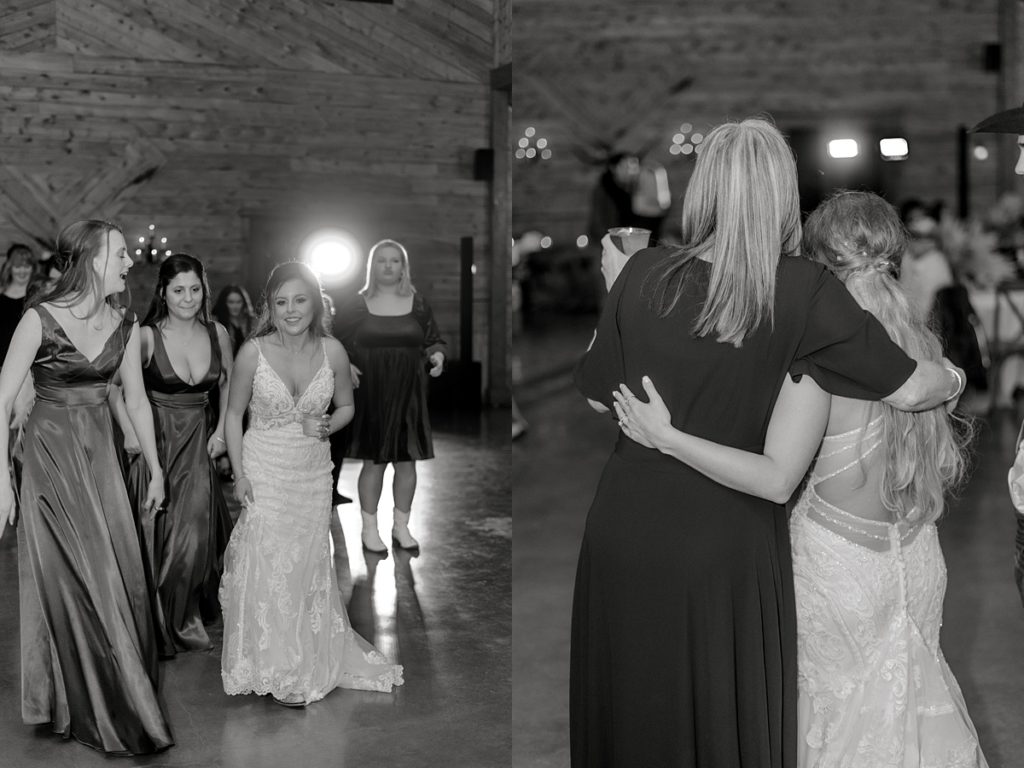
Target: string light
150,250
532,147
686,141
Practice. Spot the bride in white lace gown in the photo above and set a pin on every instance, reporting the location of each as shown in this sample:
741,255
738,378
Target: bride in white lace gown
874,690
286,632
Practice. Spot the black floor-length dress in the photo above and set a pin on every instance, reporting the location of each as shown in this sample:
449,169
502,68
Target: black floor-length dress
88,661
184,543
684,637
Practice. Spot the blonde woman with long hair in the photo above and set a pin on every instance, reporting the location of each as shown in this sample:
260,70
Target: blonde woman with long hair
874,688
684,638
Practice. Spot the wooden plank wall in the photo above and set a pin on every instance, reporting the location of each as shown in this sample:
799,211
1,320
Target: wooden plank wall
200,116
602,71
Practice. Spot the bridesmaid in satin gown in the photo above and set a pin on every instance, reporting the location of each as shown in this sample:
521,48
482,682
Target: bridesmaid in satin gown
186,356
88,651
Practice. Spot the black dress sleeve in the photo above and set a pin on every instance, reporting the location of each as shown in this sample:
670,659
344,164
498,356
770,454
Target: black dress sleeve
845,349
432,341
602,369
347,320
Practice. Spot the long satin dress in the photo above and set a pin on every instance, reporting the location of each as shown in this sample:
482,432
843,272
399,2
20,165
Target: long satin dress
182,544
88,651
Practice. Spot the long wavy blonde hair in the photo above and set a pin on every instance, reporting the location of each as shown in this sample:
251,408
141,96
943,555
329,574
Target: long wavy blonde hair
742,213
860,237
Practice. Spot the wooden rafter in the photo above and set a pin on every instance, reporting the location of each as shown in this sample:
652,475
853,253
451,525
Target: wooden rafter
33,208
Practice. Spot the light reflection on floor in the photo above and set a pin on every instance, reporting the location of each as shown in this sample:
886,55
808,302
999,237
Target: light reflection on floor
444,614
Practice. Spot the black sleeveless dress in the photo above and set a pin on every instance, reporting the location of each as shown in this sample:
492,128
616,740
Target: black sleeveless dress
184,543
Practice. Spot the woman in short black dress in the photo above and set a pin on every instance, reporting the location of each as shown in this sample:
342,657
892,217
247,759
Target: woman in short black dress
684,638
394,344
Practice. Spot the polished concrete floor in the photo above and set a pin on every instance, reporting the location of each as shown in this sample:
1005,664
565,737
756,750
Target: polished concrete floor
445,615
558,462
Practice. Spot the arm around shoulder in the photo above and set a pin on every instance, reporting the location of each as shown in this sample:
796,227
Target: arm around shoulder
931,384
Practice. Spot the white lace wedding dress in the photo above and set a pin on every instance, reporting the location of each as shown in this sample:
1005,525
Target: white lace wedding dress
286,631
874,688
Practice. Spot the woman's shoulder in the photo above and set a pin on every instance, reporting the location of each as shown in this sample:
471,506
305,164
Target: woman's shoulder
218,330
800,276
334,349
800,267
654,254
248,352
640,264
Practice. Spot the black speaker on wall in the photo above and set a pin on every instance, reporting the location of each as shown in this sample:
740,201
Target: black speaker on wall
483,164
993,57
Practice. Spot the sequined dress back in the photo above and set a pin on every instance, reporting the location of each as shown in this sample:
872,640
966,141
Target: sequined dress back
874,688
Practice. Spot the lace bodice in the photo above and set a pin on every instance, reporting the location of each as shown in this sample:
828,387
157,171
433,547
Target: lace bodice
272,405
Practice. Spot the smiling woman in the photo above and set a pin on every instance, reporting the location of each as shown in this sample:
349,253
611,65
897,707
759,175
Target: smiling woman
88,651
286,631
186,356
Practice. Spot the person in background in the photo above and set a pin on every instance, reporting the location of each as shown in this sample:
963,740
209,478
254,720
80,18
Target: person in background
1012,121
394,345
16,276
233,310
924,269
88,647
338,439
286,631
629,194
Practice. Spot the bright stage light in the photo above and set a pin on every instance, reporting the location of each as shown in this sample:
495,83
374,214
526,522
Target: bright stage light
333,254
842,148
894,149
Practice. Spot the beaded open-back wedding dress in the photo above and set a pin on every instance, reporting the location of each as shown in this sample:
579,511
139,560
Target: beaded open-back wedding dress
874,688
286,631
